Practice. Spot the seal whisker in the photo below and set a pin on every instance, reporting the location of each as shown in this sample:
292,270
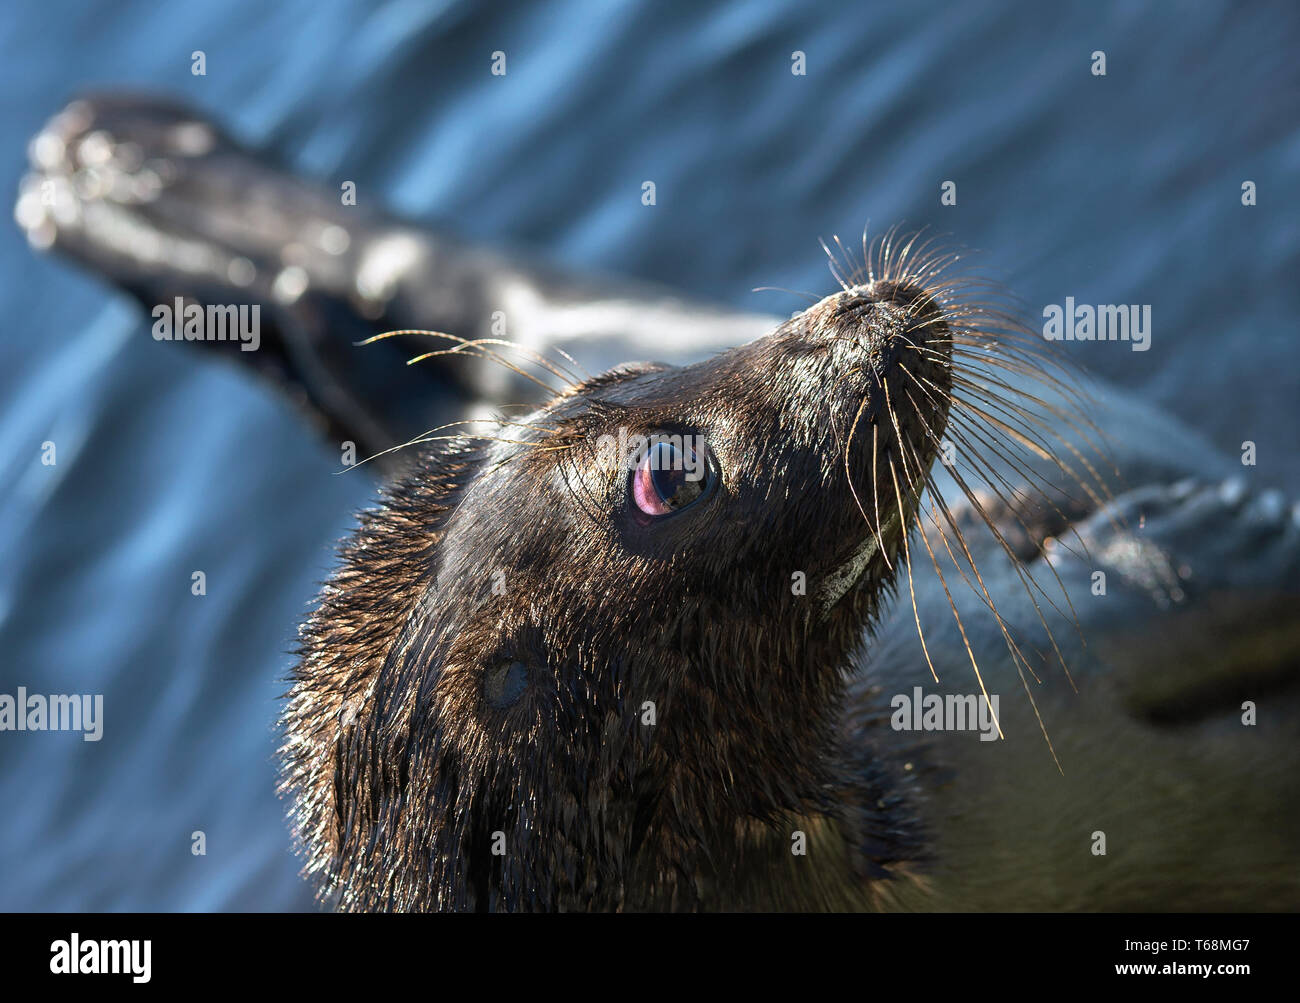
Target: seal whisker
958,428
980,593
1017,656
1027,581
1049,455
839,441
834,264
577,374
467,345
425,437
1013,648
974,329
937,498
1012,451
1014,498
848,259
987,367
866,257
1027,420
959,421
875,527
907,558
474,347
782,289
875,495
961,627
579,371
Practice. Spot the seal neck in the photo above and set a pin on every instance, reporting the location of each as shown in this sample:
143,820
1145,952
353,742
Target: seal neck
853,844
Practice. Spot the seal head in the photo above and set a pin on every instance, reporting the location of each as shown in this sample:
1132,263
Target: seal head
597,657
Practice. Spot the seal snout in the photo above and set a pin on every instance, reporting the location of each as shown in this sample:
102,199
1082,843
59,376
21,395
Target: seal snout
891,352
885,393
883,316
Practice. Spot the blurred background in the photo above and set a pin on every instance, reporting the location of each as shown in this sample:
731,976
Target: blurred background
1116,189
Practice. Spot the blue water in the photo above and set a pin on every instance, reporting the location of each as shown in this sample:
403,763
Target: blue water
1118,189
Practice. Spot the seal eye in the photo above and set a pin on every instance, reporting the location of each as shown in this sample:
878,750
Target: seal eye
667,479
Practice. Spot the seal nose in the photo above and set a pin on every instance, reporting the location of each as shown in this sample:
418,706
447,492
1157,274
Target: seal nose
891,323
884,316
890,349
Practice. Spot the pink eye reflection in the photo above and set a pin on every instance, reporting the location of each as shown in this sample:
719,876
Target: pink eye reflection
645,494
662,483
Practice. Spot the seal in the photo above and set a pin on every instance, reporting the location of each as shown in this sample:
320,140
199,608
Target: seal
553,675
